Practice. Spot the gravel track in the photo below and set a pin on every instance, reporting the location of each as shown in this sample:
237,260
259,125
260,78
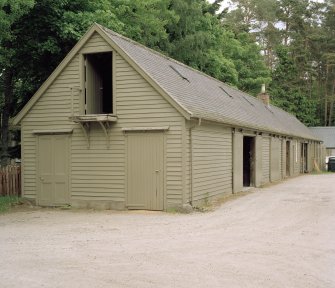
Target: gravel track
279,236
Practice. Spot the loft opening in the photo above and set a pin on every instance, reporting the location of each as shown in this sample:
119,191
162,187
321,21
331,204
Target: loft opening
99,83
248,161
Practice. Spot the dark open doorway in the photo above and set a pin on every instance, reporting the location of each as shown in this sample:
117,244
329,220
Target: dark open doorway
248,161
99,83
288,158
304,147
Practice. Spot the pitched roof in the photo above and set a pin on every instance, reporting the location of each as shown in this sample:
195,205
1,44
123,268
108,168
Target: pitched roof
206,97
326,134
191,92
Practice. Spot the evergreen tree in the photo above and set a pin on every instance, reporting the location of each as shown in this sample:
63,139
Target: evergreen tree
10,12
286,92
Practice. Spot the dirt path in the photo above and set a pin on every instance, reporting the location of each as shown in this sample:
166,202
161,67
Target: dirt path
281,236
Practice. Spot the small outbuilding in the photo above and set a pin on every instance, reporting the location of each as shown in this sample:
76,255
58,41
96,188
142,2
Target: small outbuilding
327,135
120,126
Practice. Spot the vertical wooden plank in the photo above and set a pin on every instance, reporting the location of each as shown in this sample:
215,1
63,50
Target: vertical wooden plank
258,160
19,178
237,162
266,159
16,182
1,187
145,171
10,180
284,158
211,168
7,182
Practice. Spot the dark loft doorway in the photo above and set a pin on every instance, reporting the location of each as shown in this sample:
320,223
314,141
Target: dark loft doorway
248,161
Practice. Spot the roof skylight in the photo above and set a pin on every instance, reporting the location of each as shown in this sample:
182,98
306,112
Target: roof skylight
246,99
181,75
225,91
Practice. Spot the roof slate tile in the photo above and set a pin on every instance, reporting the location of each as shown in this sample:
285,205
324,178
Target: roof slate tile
203,96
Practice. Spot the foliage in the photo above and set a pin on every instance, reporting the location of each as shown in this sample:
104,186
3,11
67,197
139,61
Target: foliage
189,31
10,12
286,91
297,42
245,45
6,202
200,40
250,66
54,27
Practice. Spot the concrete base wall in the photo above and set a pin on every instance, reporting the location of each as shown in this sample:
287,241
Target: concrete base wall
98,205
211,200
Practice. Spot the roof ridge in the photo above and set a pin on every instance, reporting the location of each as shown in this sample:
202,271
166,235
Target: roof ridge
214,83
158,53
143,46
323,127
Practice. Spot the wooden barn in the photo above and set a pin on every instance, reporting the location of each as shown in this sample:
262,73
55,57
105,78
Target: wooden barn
120,126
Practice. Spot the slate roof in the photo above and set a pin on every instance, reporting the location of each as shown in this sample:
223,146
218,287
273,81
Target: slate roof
206,97
326,134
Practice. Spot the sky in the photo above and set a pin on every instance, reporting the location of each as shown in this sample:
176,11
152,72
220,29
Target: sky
225,3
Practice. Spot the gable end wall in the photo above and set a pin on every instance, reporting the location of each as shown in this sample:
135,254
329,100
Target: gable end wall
99,173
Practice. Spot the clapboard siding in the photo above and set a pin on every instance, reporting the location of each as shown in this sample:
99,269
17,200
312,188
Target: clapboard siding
211,162
311,156
275,159
266,160
283,158
50,112
96,42
99,173
297,157
197,160
280,159
138,104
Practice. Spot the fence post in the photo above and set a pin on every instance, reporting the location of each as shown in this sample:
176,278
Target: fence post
10,180
1,187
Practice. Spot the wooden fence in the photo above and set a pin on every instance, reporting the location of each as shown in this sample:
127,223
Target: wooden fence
10,180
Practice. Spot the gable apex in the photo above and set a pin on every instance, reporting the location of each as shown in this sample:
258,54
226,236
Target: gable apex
172,100
79,47
17,119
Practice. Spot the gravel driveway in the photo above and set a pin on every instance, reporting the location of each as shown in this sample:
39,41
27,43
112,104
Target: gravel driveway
280,236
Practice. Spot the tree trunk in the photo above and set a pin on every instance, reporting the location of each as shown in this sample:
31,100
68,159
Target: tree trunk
325,116
326,98
8,103
331,105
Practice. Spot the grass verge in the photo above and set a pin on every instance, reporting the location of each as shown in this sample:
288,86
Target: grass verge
7,201
314,172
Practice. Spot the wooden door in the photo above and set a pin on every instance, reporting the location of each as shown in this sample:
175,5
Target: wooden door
237,162
258,160
93,87
275,155
266,160
53,178
288,159
145,171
